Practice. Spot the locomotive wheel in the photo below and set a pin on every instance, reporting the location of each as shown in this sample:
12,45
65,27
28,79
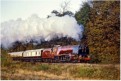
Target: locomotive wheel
68,59
44,60
50,60
82,61
32,61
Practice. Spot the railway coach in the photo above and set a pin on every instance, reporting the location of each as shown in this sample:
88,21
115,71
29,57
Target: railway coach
28,55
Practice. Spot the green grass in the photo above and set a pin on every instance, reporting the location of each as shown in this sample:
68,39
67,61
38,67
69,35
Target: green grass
105,73
75,71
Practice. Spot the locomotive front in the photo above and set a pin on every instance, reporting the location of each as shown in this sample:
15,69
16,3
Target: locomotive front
73,53
83,53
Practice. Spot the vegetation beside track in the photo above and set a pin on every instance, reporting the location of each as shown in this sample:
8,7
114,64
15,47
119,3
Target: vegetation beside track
60,71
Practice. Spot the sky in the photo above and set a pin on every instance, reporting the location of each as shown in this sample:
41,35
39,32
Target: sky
14,9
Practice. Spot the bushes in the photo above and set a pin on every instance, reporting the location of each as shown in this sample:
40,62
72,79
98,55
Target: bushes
5,58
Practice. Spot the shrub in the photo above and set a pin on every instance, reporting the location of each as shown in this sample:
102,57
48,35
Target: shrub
6,60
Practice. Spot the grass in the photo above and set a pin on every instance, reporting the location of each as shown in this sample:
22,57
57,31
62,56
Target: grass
106,73
59,71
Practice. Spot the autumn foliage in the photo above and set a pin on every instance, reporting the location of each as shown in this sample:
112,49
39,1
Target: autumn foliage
102,30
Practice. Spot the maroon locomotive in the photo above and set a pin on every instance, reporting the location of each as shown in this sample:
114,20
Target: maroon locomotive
70,53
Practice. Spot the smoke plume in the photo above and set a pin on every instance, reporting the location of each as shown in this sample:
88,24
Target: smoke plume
37,28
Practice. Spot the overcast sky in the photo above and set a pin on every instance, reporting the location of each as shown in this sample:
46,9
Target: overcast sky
14,9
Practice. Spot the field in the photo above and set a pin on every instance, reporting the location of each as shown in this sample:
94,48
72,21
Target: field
60,71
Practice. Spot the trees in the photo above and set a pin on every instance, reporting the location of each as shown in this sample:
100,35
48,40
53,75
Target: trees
62,14
82,17
101,29
104,30
63,10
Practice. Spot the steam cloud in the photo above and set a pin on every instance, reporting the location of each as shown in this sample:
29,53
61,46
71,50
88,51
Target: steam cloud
37,29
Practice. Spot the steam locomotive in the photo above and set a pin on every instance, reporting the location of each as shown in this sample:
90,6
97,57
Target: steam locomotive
70,53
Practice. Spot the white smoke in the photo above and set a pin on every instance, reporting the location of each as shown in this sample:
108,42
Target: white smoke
37,28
